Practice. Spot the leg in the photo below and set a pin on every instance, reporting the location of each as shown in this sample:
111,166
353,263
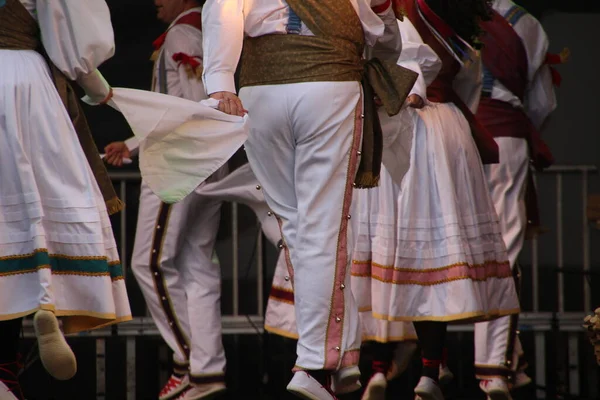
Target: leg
432,336
383,354
202,279
308,185
495,349
157,243
327,146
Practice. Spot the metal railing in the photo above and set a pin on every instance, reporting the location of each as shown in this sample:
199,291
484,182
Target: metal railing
533,320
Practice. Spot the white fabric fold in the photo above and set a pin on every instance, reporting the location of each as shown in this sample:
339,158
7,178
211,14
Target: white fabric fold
182,142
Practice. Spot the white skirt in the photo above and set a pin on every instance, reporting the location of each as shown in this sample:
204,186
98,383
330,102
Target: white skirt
429,248
57,250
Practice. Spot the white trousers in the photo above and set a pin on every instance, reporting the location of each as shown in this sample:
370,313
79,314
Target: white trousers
172,261
304,147
497,346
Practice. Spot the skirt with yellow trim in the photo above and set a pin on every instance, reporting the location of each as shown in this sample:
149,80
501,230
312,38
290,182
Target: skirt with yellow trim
430,248
57,249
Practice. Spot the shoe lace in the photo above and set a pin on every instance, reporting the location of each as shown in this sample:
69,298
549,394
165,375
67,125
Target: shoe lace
171,384
9,376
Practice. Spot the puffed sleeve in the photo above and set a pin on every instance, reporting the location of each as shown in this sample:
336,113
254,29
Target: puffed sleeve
540,98
77,34
418,57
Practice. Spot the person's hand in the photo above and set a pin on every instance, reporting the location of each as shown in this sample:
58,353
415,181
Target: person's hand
229,103
415,101
115,153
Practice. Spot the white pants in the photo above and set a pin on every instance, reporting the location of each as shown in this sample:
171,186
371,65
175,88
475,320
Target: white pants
172,261
304,147
497,346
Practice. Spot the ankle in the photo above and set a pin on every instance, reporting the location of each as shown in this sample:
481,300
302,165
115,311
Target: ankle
431,368
380,367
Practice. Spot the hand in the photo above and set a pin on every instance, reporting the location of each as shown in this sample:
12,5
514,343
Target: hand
415,101
115,152
229,103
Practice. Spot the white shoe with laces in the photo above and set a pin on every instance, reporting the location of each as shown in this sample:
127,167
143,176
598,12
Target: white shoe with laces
495,389
306,387
204,391
376,387
174,386
428,389
5,393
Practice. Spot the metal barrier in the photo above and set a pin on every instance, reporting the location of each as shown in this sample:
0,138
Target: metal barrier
533,320
583,171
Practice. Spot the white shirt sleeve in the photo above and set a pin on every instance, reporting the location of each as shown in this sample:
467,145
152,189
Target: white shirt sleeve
180,81
540,98
418,57
133,144
77,34
223,27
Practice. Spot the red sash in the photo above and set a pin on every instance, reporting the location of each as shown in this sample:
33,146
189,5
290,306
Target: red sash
504,120
504,54
505,57
193,19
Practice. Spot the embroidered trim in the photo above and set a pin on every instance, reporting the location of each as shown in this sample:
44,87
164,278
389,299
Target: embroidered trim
160,286
281,332
335,322
474,316
60,264
282,295
460,264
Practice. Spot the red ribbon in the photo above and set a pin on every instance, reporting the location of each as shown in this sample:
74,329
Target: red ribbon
554,59
182,58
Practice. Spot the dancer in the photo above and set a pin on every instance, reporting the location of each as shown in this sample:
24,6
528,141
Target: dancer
58,256
429,248
517,98
300,72
173,251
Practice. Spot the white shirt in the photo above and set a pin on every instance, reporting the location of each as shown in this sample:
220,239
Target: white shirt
540,99
182,38
418,57
225,22
77,35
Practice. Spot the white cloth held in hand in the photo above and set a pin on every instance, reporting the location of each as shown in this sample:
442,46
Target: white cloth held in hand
182,142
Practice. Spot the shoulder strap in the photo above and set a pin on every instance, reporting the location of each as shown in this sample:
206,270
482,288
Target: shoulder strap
193,19
514,14
162,74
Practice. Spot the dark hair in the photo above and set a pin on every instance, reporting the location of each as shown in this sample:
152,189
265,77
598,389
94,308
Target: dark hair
464,16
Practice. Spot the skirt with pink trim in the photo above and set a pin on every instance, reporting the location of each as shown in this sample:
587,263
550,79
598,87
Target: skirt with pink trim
429,248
